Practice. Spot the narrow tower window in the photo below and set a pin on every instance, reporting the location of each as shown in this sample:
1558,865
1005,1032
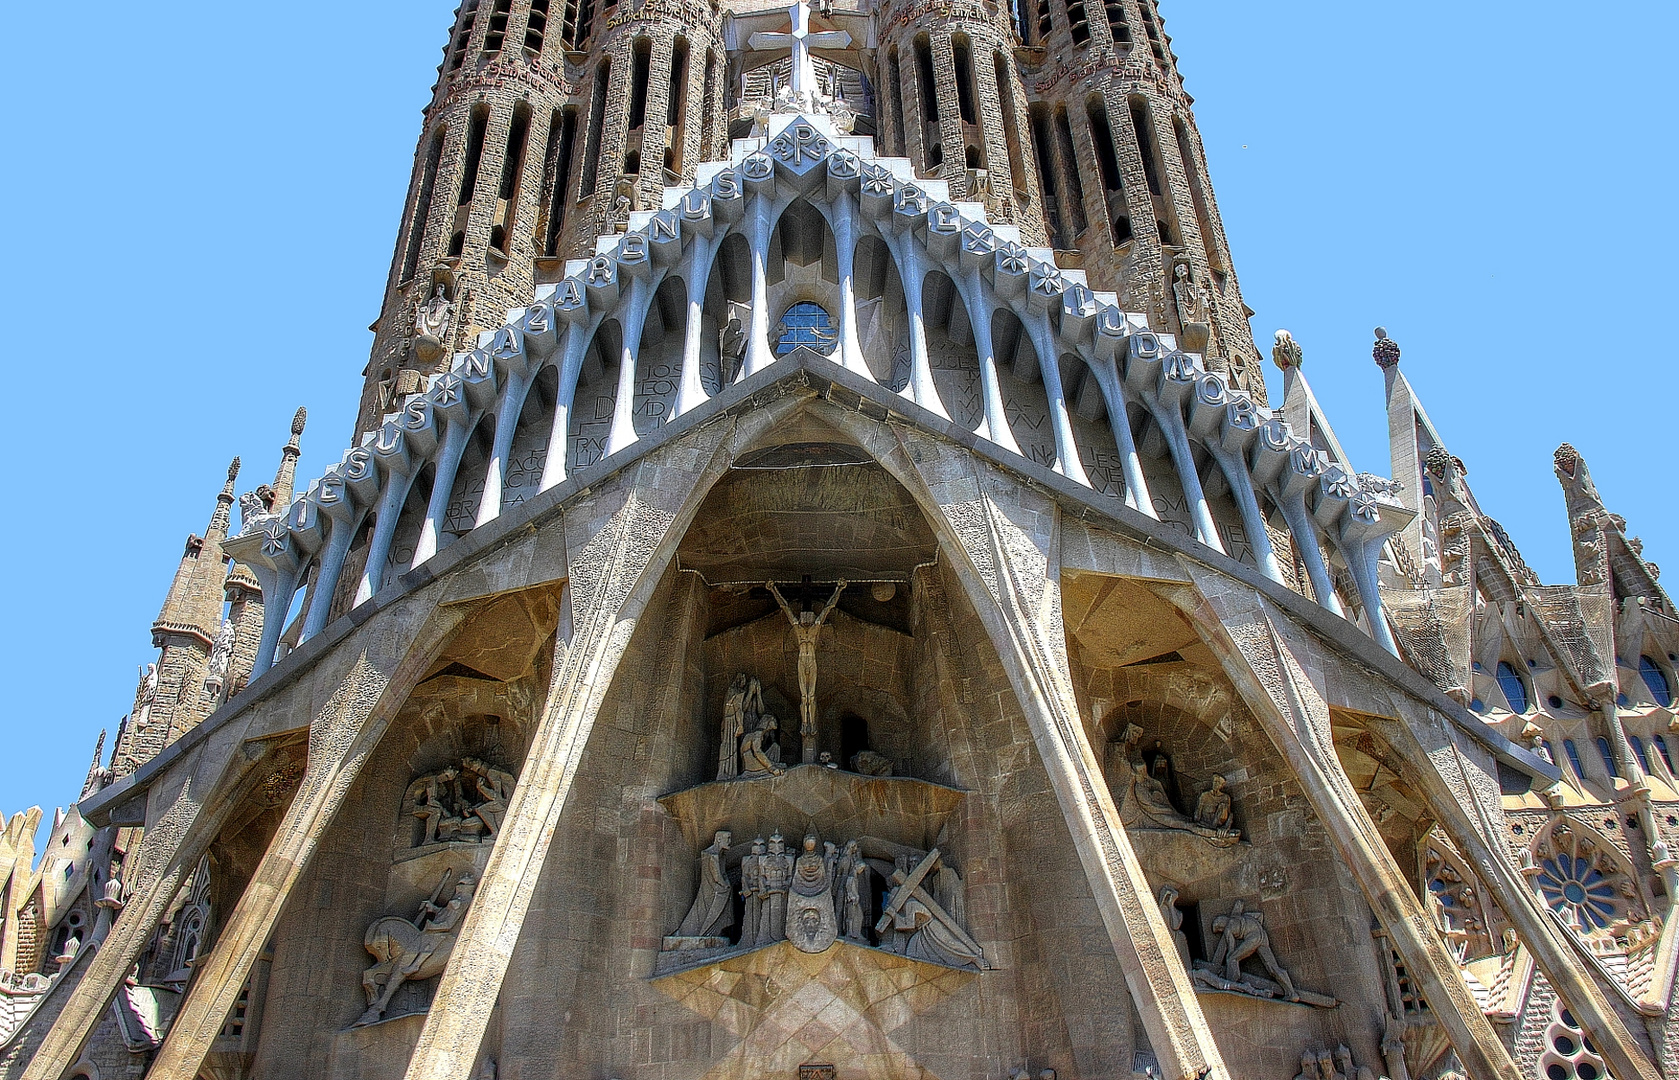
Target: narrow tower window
1118,24
1151,26
1011,122
1078,22
708,107
1017,19
579,20
1101,133
536,29
422,206
469,176
676,108
562,134
597,118
927,84
1070,165
1198,193
897,90
1045,25
966,90
463,34
512,172
1045,147
1144,133
643,61
497,33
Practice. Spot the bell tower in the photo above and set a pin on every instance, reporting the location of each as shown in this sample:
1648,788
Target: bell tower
1124,175
550,121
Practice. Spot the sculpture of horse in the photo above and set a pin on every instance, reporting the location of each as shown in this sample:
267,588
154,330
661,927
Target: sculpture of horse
403,952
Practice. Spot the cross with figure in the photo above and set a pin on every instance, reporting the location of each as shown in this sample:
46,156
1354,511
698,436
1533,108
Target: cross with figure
799,42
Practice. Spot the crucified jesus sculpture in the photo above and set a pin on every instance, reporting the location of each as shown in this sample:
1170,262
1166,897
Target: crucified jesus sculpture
806,625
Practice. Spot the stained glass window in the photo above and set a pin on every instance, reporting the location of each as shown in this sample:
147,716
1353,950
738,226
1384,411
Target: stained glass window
806,324
1656,679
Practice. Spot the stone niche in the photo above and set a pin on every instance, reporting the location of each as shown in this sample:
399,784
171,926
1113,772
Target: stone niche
1174,741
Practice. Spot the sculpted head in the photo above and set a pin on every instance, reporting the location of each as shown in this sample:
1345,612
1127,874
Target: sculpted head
722,839
810,843
758,846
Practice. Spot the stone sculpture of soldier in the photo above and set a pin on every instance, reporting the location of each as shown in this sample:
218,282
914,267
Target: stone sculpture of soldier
776,873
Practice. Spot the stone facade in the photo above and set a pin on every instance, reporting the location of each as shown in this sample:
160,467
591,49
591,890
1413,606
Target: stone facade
818,590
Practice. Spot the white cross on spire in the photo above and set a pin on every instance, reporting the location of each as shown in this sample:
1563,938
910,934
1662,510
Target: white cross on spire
799,42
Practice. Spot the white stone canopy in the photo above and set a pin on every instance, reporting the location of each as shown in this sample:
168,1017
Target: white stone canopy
1052,360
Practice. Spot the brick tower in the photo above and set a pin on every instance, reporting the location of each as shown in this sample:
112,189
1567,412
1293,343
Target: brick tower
541,133
1124,174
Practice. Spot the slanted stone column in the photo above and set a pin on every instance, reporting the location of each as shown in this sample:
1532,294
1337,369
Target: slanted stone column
185,811
620,541
1004,540
1249,638
342,736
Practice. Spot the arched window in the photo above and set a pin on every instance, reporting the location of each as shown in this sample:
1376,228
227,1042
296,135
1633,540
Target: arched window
469,176
1515,690
643,61
1608,758
512,172
963,54
597,118
1639,753
1656,679
1661,748
422,205
807,324
562,135
1573,753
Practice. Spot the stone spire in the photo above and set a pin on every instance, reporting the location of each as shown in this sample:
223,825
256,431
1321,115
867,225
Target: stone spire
194,603
184,632
97,774
284,478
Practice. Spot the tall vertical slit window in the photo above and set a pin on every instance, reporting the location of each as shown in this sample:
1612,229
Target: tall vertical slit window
1017,19
1198,194
562,134
643,62
928,90
422,205
497,33
897,90
1070,164
1045,22
512,173
536,29
463,34
469,176
708,106
1118,24
676,107
1113,185
966,91
1043,144
1143,131
1011,122
597,119
927,84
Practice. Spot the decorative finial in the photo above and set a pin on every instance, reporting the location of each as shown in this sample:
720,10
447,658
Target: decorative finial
1566,459
298,421
1286,352
1386,352
233,471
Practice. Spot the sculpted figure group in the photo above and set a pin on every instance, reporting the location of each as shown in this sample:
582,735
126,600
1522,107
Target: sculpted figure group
825,893
464,802
1149,801
1241,936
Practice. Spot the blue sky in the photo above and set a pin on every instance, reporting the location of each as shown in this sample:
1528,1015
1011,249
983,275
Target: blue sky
202,209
